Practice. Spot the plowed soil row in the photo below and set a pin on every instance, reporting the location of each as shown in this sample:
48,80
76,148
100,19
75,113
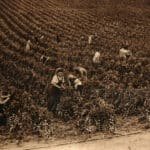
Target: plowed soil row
113,24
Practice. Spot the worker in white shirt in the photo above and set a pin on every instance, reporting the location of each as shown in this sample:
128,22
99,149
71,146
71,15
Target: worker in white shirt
96,58
124,52
55,91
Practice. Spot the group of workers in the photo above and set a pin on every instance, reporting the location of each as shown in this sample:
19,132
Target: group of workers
74,80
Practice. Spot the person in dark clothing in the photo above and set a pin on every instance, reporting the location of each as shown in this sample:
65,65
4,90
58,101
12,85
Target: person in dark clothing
55,91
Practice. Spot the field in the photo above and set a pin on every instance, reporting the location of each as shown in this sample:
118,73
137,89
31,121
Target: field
114,88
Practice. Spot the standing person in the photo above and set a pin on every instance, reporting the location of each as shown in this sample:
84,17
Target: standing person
55,91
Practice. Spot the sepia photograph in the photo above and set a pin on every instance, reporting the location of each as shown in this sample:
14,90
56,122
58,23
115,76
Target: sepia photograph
74,74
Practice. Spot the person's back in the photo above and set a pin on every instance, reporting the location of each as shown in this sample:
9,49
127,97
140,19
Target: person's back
28,46
96,57
125,52
71,79
90,37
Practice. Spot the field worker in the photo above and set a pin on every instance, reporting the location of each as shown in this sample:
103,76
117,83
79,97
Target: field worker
81,71
96,58
55,92
125,53
90,37
75,82
28,46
